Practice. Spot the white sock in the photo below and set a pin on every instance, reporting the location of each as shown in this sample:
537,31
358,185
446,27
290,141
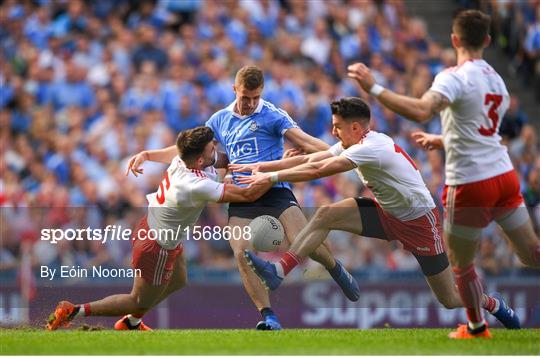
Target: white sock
279,270
497,306
80,313
475,325
134,321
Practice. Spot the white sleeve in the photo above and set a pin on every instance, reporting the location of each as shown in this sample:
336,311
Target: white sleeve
207,190
448,84
335,149
361,155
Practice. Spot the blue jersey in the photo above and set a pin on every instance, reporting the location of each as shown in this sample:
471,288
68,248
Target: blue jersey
254,138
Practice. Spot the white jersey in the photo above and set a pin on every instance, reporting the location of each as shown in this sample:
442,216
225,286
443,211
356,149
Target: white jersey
470,125
390,174
182,195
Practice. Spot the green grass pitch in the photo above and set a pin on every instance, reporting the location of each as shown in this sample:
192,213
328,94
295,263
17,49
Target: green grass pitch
250,342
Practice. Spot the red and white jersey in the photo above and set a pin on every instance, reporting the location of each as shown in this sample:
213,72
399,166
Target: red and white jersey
390,174
470,124
182,195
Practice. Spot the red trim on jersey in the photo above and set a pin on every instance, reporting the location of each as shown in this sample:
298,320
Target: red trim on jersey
363,136
199,173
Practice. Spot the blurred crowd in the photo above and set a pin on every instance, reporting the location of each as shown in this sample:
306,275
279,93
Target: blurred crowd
85,85
516,29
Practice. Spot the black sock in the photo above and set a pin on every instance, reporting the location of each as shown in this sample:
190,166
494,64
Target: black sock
476,330
130,325
266,311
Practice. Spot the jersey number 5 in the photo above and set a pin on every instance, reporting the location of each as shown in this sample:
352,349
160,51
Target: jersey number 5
160,197
493,100
399,150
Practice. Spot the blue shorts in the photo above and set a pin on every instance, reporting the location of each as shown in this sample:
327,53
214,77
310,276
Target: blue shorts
272,203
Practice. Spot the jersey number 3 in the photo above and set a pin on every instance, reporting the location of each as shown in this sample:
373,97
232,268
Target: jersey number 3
493,100
160,197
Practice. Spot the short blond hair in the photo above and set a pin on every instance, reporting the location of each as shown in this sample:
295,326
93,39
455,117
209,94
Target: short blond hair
249,77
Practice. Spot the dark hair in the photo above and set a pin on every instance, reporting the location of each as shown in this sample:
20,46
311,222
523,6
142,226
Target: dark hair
471,27
191,142
249,77
351,109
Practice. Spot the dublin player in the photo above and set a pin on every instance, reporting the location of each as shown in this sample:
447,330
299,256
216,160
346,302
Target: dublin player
253,130
187,186
403,208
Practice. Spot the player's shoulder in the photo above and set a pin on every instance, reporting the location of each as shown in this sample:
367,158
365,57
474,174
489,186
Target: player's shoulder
454,73
270,110
221,114
369,142
374,138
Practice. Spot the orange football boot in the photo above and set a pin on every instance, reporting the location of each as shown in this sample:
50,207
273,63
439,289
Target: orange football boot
62,315
462,332
123,324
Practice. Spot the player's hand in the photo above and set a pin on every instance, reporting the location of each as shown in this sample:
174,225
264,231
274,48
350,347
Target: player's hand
428,141
135,163
253,168
362,74
260,178
292,152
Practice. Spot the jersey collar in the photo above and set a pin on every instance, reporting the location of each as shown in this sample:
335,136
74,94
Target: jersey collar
257,110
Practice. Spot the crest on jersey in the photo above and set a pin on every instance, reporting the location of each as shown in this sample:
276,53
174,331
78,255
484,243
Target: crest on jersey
253,126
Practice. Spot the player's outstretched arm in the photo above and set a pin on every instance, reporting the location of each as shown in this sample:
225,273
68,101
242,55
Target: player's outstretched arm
280,164
162,155
305,172
233,193
304,141
416,109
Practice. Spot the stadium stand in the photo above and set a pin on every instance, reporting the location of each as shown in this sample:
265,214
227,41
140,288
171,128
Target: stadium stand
84,85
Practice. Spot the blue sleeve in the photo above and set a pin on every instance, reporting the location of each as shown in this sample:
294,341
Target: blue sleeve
213,124
282,122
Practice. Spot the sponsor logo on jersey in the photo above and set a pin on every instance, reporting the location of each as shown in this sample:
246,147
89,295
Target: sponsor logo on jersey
242,149
423,249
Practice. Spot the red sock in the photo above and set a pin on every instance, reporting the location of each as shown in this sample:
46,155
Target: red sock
470,290
490,303
84,310
289,261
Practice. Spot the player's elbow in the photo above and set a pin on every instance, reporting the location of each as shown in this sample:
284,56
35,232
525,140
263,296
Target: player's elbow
423,112
420,115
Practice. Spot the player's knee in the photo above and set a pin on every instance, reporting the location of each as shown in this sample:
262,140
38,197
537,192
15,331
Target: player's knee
529,259
322,216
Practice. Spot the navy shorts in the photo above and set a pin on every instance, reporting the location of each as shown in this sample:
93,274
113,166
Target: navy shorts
272,203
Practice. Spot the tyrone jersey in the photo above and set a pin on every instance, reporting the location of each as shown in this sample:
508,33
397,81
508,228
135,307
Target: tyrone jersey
182,195
470,124
390,174
254,138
